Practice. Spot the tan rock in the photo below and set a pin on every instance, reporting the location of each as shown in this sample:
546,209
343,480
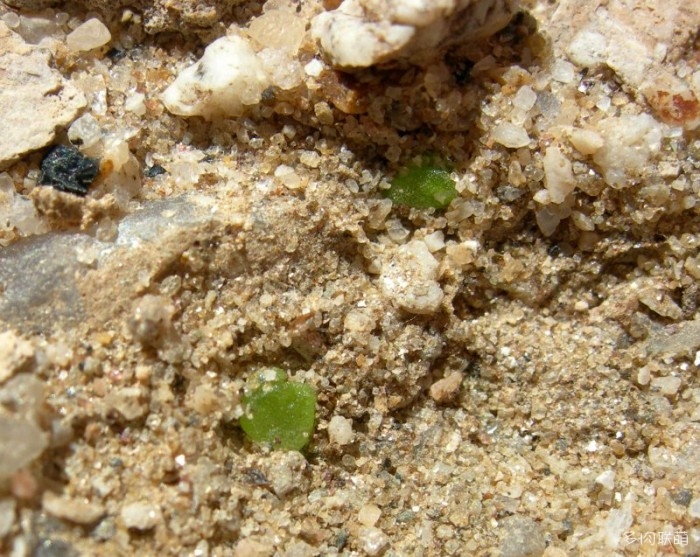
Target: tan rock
446,388
34,99
15,353
76,510
250,548
21,441
90,35
141,515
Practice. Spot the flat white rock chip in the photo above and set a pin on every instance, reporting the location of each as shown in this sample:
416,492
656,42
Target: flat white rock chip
509,135
351,42
34,99
409,279
229,77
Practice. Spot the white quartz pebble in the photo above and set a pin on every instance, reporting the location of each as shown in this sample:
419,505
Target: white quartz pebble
229,77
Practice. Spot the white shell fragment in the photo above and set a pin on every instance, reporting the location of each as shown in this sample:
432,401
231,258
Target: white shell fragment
228,78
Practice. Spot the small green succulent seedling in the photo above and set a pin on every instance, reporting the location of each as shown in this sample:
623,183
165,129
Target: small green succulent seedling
277,412
423,186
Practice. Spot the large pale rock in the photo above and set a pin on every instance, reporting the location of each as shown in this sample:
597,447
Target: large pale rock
34,99
640,42
50,297
360,33
21,441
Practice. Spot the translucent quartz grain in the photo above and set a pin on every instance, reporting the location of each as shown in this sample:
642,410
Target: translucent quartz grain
90,35
509,135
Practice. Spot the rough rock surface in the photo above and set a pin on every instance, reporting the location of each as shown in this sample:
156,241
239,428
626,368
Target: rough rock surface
188,16
34,98
637,41
227,79
361,33
515,374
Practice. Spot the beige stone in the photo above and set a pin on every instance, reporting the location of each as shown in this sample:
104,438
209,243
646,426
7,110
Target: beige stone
34,98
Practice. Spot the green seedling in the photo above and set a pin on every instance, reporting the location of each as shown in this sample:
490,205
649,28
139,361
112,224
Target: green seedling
423,187
278,413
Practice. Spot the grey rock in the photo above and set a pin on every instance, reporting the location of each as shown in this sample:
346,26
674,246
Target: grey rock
41,278
522,537
54,548
37,281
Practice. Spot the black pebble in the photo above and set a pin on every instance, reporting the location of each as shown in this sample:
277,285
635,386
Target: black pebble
67,169
116,54
155,170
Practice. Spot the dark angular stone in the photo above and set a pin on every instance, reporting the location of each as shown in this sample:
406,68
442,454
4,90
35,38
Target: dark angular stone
67,169
155,170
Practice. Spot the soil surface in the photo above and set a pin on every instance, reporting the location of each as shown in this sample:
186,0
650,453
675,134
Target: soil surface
515,375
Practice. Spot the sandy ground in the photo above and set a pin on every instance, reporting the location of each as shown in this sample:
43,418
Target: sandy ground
543,401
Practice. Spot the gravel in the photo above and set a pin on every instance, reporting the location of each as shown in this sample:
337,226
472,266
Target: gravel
515,374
